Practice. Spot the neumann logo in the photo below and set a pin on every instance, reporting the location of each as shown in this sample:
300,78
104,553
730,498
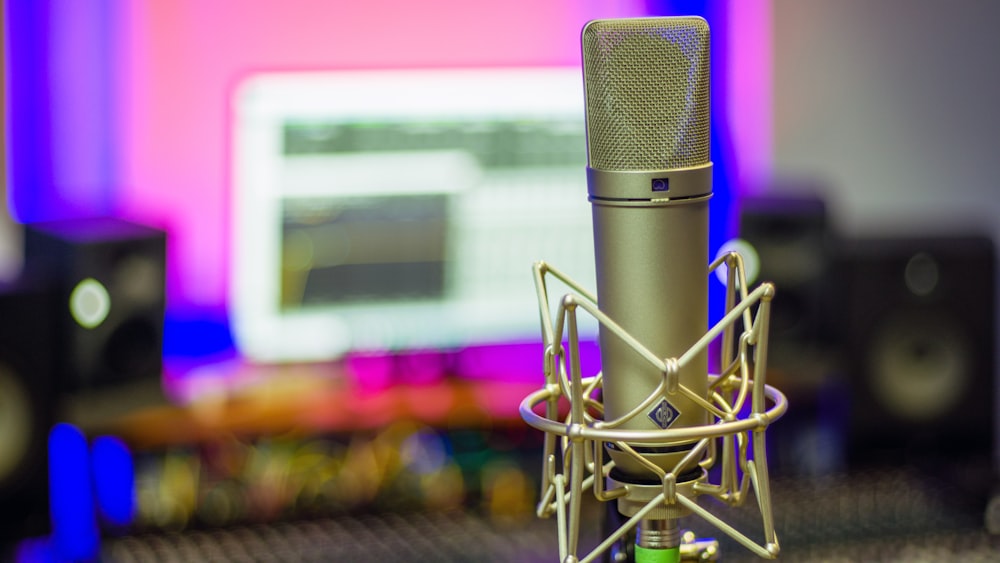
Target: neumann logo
664,414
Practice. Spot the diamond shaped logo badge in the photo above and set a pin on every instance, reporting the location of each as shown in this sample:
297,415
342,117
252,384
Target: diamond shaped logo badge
664,414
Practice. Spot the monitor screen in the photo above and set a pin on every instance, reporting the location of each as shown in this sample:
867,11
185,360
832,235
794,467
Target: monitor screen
401,210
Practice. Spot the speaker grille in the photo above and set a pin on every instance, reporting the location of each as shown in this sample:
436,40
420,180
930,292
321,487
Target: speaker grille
647,90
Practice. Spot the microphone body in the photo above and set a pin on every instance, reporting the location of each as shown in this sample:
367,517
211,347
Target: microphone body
651,279
649,181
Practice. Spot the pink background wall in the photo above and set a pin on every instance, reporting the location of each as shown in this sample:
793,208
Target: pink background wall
184,57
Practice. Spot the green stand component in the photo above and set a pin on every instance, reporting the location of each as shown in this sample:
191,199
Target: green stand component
648,555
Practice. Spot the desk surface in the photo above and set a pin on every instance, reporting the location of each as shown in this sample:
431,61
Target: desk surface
204,402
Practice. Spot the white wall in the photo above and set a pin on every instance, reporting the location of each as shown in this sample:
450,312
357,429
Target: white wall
895,106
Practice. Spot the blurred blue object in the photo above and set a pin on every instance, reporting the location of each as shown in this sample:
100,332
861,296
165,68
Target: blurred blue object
114,480
74,522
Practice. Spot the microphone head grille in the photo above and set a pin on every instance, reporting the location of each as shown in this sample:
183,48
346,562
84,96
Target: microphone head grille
646,83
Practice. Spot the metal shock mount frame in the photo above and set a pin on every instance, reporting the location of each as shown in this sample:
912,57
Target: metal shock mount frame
739,403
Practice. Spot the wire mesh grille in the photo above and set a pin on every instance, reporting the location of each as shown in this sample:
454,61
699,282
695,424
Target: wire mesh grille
647,93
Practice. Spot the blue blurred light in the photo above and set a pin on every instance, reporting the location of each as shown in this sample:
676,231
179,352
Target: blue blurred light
61,110
74,523
29,169
194,334
114,480
35,550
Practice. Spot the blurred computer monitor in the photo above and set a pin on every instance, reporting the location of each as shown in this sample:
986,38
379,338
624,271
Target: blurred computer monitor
403,209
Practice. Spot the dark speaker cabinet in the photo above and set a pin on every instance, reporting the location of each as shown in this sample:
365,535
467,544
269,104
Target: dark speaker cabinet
108,276
918,333
794,244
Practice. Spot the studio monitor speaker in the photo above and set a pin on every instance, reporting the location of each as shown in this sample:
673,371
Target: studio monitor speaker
919,338
108,279
794,244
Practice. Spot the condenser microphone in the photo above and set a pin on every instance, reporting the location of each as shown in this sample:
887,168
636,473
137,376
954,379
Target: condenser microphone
649,180
662,419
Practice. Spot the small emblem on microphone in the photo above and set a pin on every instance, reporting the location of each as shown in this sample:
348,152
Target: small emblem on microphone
660,184
664,414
